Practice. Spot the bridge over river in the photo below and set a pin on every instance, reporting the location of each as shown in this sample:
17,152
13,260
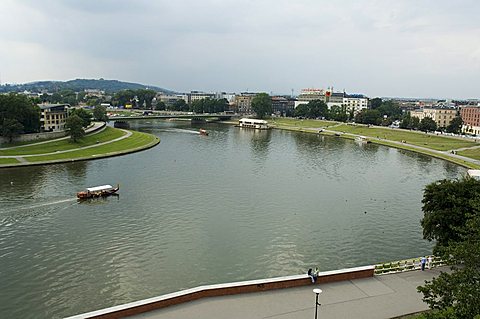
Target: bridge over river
212,116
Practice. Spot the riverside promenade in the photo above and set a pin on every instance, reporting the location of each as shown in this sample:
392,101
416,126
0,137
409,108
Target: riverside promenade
384,296
379,296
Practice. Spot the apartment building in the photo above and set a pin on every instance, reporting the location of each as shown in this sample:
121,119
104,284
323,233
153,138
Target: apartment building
53,117
243,102
442,117
471,119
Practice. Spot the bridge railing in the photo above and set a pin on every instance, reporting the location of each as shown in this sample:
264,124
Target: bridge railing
407,265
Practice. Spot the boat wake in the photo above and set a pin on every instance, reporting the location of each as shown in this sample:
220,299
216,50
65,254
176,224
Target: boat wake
179,130
10,216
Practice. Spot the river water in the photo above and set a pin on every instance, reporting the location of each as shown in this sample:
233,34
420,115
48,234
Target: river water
234,205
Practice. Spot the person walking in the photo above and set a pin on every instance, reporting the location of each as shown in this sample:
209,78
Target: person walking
430,260
423,262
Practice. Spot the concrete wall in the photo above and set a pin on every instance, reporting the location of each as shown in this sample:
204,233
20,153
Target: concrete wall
154,303
34,137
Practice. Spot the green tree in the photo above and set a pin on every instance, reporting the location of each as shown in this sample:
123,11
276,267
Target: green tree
262,105
338,113
455,125
366,116
74,127
415,122
100,113
179,105
375,103
160,106
447,205
406,121
427,125
83,114
11,128
452,217
22,109
301,110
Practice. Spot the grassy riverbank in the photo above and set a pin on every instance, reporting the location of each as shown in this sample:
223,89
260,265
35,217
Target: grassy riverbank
432,145
104,144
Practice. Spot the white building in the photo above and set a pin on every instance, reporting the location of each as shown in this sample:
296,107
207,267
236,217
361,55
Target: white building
355,102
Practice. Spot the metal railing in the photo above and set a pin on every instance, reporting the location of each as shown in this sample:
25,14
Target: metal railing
407,265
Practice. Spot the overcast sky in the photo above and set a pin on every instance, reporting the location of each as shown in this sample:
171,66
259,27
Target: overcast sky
401,48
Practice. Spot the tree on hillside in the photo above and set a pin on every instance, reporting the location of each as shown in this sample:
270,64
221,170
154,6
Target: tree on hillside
11,128
452,218
74,127
455,125
427,125
100,113
262,105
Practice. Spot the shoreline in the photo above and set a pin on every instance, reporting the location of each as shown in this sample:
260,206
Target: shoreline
465,162
155,141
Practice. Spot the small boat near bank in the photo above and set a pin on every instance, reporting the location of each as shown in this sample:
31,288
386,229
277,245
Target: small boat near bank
98,191
362,139
203,132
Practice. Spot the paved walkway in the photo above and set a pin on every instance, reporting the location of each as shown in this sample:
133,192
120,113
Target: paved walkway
384,296
447,153
92,128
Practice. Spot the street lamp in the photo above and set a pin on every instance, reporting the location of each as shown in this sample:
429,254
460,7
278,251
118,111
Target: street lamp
317,291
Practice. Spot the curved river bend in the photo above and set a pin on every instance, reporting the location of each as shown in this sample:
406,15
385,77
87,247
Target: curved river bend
234,205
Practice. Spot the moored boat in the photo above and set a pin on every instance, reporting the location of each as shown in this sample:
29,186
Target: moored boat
98,191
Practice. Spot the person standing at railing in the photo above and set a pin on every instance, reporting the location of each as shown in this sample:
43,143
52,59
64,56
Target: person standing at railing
430,260
423,261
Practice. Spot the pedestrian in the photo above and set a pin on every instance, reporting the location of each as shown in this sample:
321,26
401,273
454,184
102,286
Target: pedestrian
430,260
315,274
423,262
310,274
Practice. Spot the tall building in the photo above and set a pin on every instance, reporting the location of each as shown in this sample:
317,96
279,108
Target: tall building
311,94
471,119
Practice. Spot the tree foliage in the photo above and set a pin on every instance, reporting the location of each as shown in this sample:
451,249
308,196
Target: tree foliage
18,111
366,116
452,218
262,105
100,113
427,124
455,125
209,105
74,127
314,109
83,114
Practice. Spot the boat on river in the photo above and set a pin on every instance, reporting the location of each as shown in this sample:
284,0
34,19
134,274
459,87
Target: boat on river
98,191
362,139
203,132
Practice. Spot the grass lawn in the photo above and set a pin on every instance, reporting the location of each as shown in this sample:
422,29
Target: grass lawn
434,142
6,161
282,121
108,134
135,141
472,153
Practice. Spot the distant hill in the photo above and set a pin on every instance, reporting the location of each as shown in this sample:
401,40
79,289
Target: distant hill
110,86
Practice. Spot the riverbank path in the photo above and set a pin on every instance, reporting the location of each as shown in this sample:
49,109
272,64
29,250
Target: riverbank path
97,127
400,144
378,297
22,158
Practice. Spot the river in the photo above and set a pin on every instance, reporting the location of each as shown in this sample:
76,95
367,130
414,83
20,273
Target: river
234,205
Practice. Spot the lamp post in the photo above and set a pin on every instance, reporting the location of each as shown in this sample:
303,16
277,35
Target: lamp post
317,291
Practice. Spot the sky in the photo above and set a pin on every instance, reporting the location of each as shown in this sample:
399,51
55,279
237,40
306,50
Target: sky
401,48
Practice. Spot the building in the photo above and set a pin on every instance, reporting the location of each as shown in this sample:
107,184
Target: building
335,99
243,102
442,117
230,97
170,99
197,95
282,105
53,117
355,102
310,94
471,119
